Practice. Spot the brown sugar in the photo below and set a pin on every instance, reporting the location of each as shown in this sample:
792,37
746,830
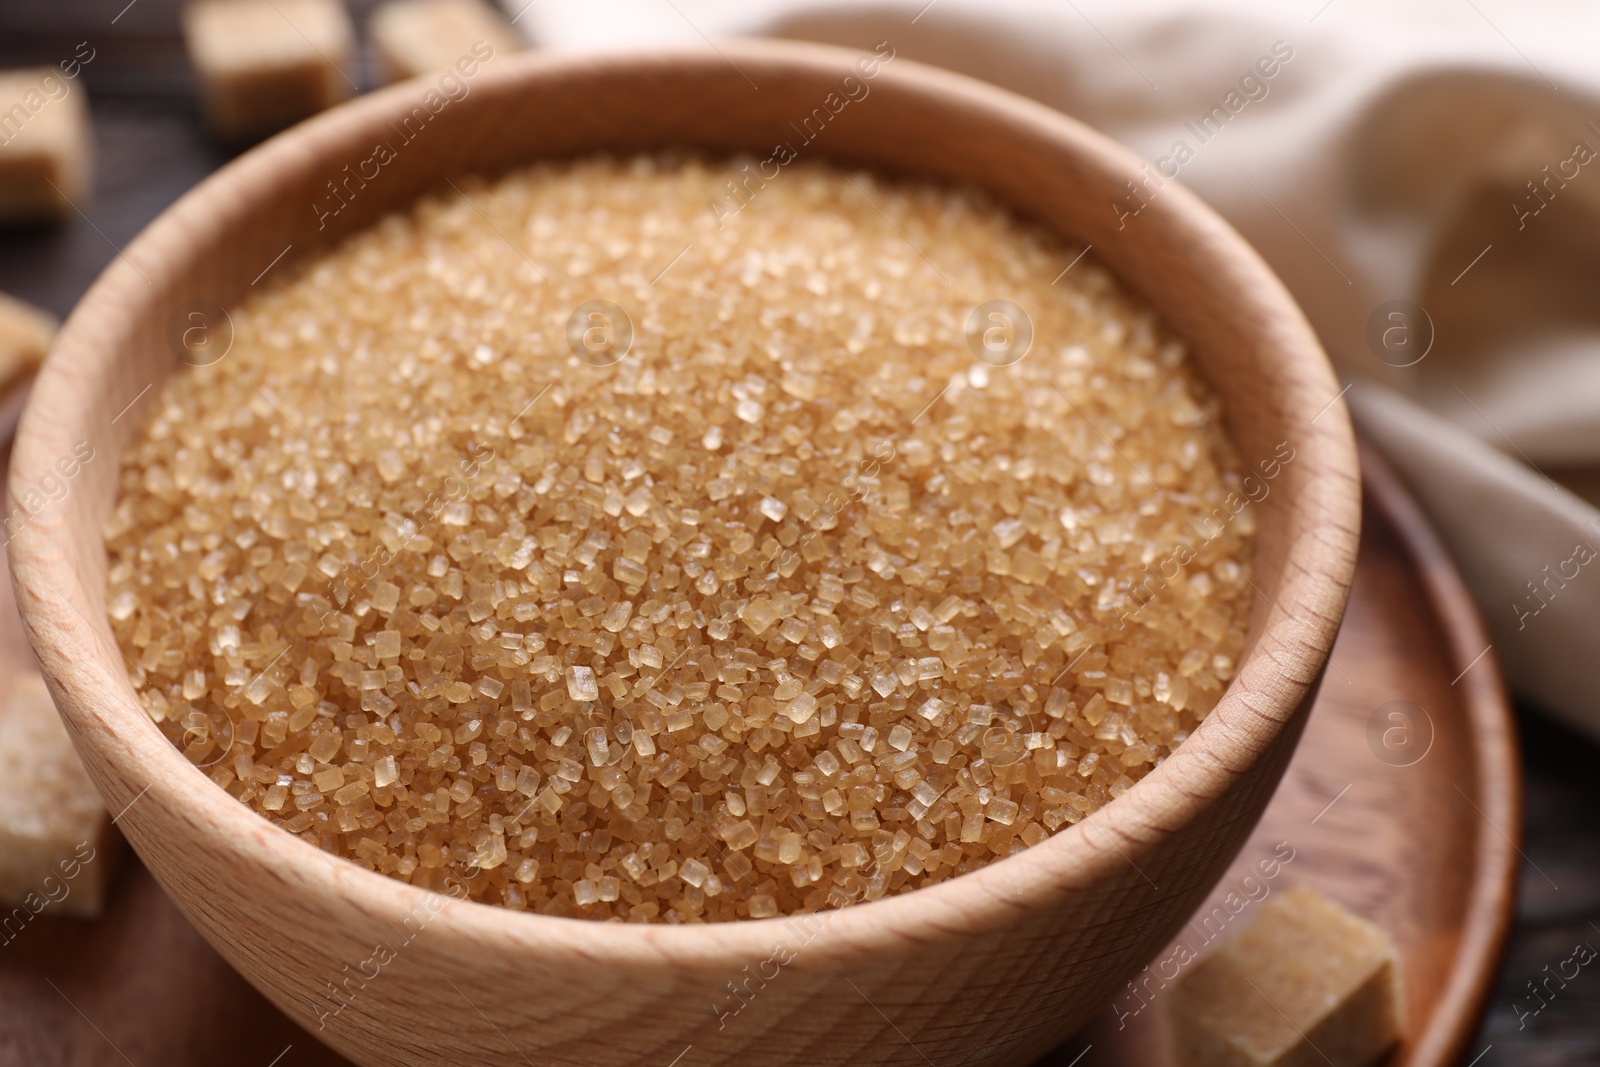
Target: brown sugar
1306,983
25,336
613,553
54,832
266,64
45,146
414,37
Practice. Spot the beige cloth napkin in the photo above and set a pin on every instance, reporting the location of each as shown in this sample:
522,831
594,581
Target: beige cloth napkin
1444,153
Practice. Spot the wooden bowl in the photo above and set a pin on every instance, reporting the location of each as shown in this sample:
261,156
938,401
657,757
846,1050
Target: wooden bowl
995,966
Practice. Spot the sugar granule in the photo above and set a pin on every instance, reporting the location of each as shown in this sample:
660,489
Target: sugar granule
564,540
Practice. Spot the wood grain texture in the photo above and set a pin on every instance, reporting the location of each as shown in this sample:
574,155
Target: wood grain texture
1058,927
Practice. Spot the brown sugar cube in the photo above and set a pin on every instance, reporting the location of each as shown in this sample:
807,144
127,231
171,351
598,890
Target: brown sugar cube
44,145
431,36
1307,984
54,833
266,64
25,334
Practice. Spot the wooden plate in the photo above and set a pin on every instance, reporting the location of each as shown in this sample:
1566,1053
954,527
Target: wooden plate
1416,829
1410,819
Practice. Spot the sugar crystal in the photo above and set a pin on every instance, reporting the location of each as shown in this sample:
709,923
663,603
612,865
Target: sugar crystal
794,594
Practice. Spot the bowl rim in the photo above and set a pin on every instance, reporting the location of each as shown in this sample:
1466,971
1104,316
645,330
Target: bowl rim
97,700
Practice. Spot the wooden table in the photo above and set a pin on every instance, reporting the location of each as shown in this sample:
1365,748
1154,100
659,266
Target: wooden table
151,149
